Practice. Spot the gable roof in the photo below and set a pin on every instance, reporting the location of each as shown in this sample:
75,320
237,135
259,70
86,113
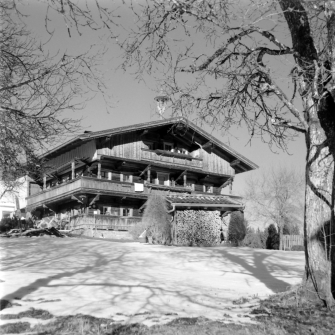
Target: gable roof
153,124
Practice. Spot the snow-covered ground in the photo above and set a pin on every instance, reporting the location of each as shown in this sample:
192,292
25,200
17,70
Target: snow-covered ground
118,280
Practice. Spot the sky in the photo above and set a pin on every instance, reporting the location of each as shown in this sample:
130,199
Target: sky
133,102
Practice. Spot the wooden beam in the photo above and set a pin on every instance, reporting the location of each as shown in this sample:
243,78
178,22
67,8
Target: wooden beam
73,197
97,197
227,182
181,175
143,206
235,162
145,170
45,206
208,144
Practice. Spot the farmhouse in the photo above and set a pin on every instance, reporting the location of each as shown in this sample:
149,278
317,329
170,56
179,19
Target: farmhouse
105,177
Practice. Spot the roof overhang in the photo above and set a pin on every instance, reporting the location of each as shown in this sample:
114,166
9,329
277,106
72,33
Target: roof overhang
240,162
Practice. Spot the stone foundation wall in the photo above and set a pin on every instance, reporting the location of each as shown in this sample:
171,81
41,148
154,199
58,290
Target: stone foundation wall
112,234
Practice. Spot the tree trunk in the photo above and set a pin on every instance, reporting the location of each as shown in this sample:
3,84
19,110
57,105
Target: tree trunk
319,201
319,115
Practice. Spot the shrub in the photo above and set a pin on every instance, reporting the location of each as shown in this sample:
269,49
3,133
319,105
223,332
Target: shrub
298,248
272,241
252,240
157,219
290,228
137,230
7,224
197,227
236,228
263,236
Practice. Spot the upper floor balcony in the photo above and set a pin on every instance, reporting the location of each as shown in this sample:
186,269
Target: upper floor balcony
93,185
171,158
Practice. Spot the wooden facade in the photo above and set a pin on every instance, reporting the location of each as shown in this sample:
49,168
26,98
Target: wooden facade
112,172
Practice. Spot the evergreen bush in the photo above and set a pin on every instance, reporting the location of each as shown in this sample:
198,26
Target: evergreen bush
7,224
236,228
157,219
272,241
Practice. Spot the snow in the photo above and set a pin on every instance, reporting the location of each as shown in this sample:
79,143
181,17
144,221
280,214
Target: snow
117,280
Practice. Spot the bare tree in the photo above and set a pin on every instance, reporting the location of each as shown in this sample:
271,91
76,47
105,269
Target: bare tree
276,197
36,91
266,65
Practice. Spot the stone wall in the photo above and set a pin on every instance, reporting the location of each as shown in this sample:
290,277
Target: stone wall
112,234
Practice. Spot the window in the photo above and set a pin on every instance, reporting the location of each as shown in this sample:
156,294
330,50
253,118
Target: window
104,174
168,146
163,178
128,178
184,151
125,212
149,145
208,188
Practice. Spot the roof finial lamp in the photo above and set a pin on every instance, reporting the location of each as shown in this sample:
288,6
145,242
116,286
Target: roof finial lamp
162,101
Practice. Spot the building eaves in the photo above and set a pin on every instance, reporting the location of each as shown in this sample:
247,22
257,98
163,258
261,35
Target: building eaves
153,124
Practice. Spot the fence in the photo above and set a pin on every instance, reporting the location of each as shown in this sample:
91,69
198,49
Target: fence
291,240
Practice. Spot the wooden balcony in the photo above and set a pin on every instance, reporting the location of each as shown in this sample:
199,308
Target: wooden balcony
171,158
94,185
85,185
106,222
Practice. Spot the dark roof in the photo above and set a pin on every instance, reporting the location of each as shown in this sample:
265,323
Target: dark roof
153,124
203,200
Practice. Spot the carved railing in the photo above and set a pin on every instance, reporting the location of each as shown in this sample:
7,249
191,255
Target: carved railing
171,158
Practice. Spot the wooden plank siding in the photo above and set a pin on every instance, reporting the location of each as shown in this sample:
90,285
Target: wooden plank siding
122,145
130,146
212,162
87,149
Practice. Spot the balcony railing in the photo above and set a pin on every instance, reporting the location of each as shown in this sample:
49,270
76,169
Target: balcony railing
107,222
92,185
171,158
82,184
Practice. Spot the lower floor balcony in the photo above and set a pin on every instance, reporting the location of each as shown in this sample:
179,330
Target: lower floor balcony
102,222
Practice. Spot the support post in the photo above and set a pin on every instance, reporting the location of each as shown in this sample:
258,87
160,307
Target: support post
148,174
231,187
185,179
44,182
73,174
99,170
109,175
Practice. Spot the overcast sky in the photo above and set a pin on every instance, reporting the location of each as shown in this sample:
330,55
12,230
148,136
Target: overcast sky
133,102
